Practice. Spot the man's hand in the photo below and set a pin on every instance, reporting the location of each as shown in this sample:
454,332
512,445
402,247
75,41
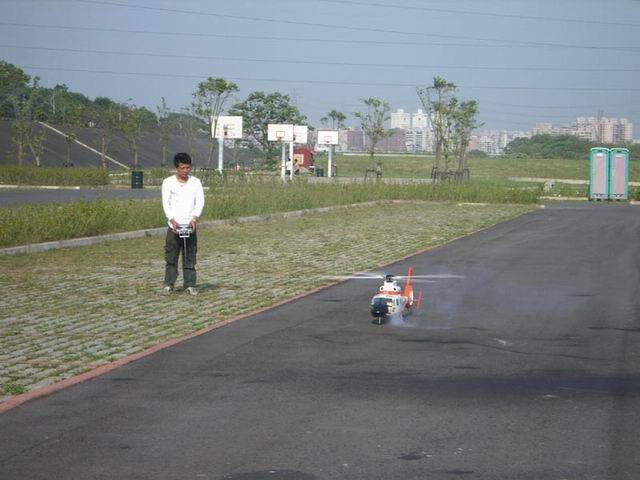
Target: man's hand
174,225
193,222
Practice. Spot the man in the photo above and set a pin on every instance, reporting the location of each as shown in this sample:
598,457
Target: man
182,201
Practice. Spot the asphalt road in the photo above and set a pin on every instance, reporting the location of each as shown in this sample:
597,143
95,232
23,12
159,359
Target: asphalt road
528,368
22,196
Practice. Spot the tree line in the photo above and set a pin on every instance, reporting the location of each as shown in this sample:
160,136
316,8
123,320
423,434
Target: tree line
26,103
567,147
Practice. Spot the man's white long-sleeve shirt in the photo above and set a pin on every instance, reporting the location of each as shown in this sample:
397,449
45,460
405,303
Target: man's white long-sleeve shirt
182,201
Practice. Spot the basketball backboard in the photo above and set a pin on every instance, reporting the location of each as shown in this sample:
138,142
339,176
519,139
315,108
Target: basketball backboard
300,133
279,132
229,127
327,137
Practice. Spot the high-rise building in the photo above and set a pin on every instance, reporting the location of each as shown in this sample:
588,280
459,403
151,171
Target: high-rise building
604,129
623,131
401,119
420,121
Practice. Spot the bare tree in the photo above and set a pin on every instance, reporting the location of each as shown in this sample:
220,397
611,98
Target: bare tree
72,119
163,123
372,122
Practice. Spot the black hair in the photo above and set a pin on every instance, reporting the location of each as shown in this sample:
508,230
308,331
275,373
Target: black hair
181,157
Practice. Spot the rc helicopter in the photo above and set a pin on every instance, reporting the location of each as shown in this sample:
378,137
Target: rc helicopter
394,299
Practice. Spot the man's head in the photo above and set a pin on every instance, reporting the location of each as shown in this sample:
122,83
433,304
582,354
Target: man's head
183,158
182,162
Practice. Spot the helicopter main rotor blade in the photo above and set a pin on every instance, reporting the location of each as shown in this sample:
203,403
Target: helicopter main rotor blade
442,275
353,277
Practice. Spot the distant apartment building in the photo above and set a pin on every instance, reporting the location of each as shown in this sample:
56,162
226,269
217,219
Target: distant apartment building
420,121
393,143
417,128
400,119
494,142
543,129
594,129
353,138
418,141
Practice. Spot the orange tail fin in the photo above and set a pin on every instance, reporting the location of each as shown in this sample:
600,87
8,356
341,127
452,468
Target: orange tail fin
408,287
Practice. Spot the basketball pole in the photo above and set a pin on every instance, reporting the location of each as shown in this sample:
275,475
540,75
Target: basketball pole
330,159
291,160
283,166
220,148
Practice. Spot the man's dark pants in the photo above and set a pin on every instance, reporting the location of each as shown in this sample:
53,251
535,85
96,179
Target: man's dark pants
172,248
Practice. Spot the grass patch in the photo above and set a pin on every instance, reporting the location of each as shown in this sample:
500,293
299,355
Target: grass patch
28,175
394,166
12,388
414,166
42,223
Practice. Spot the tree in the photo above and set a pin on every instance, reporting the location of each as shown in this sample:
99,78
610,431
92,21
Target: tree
27,114
464,123
134,120
372,122
438,102
337,119
209,99
72,120
52,102
14,83
106,115
188,125
164,125
258,111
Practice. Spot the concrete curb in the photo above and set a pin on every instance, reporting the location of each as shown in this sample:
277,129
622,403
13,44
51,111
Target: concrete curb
42,187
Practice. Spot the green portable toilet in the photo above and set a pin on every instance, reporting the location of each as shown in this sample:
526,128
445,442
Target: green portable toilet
619,174
599,174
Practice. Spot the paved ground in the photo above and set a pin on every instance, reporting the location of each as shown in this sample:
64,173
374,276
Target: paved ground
527,368
71,310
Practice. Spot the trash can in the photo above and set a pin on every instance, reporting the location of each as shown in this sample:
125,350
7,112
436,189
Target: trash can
136,179
319,172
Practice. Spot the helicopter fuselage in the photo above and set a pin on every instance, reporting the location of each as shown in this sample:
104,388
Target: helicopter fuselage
392,301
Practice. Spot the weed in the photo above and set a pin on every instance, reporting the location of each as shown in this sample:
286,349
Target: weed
13,388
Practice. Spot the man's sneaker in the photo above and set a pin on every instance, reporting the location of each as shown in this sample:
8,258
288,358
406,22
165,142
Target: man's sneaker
167,289
191,290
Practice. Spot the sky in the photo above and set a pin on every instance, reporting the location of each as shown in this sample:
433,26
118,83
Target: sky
524,61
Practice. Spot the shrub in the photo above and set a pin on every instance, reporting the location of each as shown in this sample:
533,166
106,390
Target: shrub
29,175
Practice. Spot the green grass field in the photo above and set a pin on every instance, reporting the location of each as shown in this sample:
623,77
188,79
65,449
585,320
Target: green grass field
42,223
394,166
412,166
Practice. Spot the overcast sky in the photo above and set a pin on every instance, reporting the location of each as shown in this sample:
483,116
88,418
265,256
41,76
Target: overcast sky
524,61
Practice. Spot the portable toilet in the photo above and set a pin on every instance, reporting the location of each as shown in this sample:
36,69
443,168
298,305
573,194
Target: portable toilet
599,174
619,174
